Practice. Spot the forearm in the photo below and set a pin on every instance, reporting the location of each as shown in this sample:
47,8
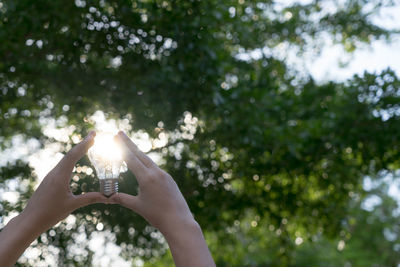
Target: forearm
15,237
188,246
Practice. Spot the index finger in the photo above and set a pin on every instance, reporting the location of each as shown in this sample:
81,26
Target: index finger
134,164
135,150
77,152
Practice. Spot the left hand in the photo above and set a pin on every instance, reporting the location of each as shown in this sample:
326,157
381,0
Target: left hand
53,200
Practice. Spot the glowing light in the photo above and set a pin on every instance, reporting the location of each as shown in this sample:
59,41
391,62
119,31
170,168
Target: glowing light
105,155
105,147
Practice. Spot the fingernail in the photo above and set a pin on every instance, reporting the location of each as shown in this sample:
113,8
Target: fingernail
121,133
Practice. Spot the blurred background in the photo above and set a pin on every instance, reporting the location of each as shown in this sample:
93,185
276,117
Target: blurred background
279,120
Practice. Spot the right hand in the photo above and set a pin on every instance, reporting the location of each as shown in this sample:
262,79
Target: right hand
161,203
159,200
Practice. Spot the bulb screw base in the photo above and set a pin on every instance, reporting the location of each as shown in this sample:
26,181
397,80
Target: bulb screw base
108,187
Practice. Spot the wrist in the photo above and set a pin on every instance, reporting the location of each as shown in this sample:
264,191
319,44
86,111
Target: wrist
31,229
175,225
187,244
15,237
29,226
180,232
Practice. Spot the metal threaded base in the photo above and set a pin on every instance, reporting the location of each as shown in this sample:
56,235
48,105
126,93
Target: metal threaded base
108,186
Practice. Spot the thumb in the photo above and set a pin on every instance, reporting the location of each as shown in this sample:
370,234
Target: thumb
90,198
128,201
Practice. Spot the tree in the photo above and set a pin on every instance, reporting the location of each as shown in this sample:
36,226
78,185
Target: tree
246,137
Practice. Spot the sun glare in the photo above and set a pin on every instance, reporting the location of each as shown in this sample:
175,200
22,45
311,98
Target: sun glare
106,147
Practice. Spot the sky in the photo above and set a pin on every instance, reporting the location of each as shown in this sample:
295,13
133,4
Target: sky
379,56
372,58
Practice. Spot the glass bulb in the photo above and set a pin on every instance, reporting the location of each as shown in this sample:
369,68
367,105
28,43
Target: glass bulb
106,158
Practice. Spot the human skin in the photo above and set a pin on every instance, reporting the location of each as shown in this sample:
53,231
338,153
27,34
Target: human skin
51,202
162,204
159,201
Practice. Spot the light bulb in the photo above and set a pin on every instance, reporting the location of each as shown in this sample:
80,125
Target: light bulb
106,158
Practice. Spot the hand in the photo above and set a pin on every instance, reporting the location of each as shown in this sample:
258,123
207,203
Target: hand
159,200
161,203
51,202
